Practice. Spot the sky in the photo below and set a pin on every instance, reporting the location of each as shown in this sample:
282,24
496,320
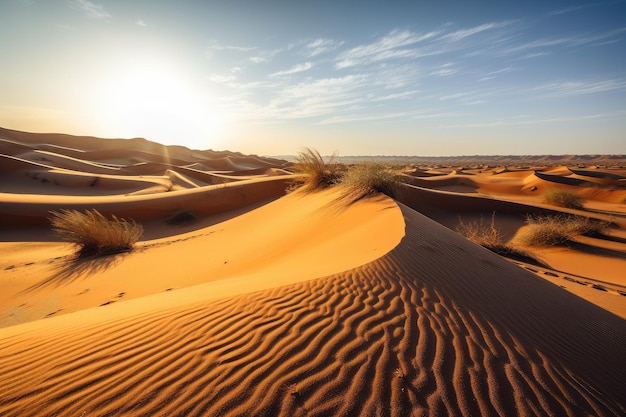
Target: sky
421,77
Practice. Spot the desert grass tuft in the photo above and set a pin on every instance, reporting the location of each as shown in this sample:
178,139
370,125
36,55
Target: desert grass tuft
480,232
559,230
318,174
94,234
365,179
489,236
563,198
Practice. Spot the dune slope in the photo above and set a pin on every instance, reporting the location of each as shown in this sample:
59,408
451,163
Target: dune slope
438,326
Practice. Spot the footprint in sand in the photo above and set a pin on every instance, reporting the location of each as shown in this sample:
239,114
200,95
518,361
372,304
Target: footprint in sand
53,313
120,295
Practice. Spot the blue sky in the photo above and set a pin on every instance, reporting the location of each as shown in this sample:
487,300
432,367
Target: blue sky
392,78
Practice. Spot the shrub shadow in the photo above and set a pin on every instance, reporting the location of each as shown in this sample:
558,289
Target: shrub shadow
73,268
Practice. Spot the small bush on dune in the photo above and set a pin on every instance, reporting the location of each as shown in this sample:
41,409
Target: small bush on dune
558,230
363,180
544,231
94,234
563,198
319,174
479,232
488,236
587,226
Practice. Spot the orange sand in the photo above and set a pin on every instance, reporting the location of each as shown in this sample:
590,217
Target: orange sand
272,304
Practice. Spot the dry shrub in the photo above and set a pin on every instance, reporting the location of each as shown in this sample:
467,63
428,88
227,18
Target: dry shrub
480,232
319,174
488,236
563,198
365,179
558,230
94,234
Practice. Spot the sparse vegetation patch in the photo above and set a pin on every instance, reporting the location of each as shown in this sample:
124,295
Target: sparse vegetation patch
558,230
480,232
319,174
489,236
365,179
563,198
94,234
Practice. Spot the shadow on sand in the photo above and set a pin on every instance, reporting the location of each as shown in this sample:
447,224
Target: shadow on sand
73,268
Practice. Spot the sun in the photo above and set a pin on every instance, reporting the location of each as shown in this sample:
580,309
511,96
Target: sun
157,101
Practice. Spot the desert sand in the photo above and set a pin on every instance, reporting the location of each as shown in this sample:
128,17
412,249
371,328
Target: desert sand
274,302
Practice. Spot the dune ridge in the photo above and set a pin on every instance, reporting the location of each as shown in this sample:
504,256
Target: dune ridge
129,178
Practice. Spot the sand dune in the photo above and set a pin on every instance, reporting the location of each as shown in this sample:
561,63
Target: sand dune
469,334
273,304
591,267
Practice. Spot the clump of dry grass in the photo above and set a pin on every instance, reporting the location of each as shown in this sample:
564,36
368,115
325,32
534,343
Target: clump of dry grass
559,230
318,173
365,179
563,198
489,236
480,232
94,234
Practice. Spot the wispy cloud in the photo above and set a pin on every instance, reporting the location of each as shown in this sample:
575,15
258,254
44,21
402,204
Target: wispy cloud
571,9
575,88
313,98
294,70
405,44
216,46
92,10
395,96
141,23
394,45
516,121
566,41
464,33
264,56
493,74
321,46
445,70
361,118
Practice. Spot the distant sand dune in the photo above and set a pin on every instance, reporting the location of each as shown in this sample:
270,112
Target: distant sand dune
29,210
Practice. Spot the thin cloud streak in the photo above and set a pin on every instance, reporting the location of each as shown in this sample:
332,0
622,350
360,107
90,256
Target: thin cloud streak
464,33
92,10
294,70
321,46
575,88
385,48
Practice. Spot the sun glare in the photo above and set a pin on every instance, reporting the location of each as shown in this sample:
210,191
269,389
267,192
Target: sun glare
156,102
